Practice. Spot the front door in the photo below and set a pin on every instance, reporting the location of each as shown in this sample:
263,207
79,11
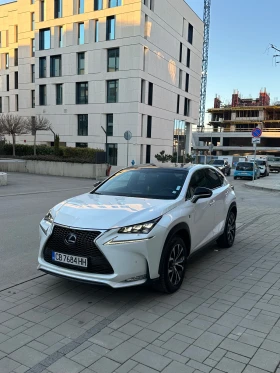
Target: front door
200,215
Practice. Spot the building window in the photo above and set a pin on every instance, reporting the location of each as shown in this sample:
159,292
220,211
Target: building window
143,91
16,56
81,63
112,91
150,94
0,39
82,125
16,34
59,94
33,99
187,107
32,73
32,1
187,82
8,82
188,58
32,21
57,8
149,127
81,6
109,124
42,10
181,52
55,66
113,3
178,104
145,2
45,39
180,78
81,33
82,93
113,59
42,94
148,154
16,102
152,5
147,31
7,60
96,30
32,47
110,28
97,4
190,34
0,104
16,79
81,144
60,36
113,154
42,67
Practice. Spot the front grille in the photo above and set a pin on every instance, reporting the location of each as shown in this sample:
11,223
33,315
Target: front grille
84,247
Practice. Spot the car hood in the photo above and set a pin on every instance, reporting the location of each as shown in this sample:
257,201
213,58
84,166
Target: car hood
92,211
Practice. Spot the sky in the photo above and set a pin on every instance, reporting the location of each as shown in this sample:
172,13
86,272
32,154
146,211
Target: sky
239,58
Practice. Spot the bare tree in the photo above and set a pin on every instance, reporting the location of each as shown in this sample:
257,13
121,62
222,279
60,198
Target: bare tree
34,124
13,125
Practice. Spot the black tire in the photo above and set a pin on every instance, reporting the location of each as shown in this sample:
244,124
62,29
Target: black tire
172,275
226,240
235,177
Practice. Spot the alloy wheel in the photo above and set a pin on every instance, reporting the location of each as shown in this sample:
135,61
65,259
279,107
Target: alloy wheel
231,228
176,264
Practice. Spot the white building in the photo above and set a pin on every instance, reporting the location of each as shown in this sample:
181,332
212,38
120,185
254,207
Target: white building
118,64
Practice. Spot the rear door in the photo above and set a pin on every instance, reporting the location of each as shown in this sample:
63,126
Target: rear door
221,189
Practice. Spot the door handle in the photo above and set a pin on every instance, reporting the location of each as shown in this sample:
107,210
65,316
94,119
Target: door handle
212,203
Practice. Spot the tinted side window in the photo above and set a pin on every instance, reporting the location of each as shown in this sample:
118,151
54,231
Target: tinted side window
198,180
213,179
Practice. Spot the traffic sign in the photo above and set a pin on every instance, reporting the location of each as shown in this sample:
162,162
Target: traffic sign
127,135
256,140
257,132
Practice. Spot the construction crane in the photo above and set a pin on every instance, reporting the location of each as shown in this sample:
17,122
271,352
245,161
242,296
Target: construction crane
203,88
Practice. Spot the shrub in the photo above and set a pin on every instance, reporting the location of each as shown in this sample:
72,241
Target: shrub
22,150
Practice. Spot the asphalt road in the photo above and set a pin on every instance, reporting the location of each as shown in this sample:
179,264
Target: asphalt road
28,198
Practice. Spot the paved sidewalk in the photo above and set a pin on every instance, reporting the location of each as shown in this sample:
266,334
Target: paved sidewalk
270,183
226,317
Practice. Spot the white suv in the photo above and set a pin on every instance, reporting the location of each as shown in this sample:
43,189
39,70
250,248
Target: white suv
139,225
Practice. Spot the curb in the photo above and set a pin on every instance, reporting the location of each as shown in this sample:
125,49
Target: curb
268,189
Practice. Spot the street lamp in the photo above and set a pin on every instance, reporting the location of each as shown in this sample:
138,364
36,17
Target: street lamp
106,149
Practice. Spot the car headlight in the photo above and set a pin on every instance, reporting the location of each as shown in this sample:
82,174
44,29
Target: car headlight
49,218
143,228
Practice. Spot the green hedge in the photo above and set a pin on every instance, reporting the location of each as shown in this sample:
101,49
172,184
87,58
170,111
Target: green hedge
46,153
22,150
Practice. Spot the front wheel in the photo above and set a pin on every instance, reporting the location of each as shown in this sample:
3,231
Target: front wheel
226,240
173,265
235,177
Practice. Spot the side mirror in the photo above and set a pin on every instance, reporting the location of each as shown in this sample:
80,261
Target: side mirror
96,184
201,193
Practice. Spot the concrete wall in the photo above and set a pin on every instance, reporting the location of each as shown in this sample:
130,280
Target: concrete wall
90,171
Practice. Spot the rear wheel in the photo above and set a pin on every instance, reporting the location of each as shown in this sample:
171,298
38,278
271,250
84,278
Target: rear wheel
173,265
226,240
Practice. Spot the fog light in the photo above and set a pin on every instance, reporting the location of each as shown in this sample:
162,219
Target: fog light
136,278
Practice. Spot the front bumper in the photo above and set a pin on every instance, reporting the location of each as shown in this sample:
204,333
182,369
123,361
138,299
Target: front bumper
134,258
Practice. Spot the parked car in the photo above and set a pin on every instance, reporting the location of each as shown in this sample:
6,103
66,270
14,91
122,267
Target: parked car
247,170
138,226
222,165
274,164
263,166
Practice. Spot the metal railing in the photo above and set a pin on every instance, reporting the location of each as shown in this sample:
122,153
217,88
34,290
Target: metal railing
209,130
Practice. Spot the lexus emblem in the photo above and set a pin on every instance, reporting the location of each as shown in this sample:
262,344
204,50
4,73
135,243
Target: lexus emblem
70,239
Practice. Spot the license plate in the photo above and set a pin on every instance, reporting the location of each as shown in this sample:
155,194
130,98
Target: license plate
69,259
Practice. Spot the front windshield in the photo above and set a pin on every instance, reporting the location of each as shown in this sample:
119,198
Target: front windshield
244,166
154,183
260,163
217,162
